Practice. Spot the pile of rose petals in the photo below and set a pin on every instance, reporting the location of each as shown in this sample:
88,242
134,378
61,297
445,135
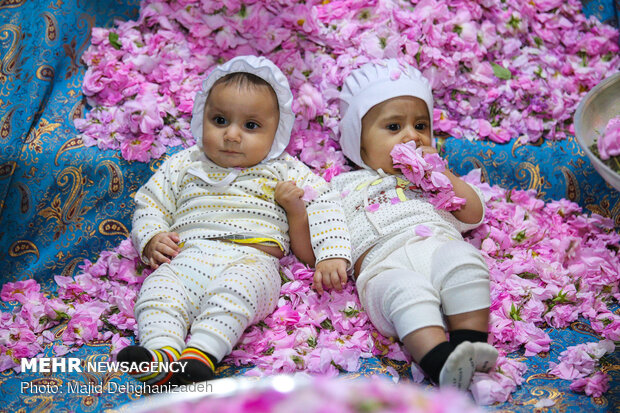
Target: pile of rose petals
499,69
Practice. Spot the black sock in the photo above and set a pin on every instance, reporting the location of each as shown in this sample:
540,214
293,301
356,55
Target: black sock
200,366
434,360
473,336
139,354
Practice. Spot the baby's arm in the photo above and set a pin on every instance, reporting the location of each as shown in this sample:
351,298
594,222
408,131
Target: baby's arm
153,216
473,210
329,273
288,195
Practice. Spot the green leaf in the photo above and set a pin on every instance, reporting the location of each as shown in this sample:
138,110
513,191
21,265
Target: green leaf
561,298
520,236
243,13
501,72
298,361
283,278
514,313
327,324
113,38
351,312
514,22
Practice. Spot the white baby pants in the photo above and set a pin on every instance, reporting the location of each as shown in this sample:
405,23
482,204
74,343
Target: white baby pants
214,288
410,282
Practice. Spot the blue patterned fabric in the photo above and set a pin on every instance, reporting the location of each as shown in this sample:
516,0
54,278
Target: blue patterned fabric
555,170
62,203
607,11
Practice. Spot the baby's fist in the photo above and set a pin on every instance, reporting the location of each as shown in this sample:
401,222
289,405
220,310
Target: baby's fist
162,248
330,273
288,195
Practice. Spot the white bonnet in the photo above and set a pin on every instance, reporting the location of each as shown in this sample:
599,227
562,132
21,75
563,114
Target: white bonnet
269,72
370,85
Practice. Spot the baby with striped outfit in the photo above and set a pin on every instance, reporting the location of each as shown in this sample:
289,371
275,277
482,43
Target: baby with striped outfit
212,221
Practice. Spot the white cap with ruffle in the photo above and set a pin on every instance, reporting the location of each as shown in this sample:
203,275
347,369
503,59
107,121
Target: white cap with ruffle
265,69
369,85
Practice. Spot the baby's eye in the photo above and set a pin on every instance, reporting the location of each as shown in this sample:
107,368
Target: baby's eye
220,120
393,127
251,125
421,126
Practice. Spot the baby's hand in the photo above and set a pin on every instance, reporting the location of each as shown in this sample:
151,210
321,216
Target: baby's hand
161,248
288,195
428,149
331,273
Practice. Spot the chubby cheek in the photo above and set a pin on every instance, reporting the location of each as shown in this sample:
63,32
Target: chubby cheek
206,143
385,159
206,134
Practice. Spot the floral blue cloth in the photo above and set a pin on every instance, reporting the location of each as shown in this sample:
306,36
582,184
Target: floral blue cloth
62,203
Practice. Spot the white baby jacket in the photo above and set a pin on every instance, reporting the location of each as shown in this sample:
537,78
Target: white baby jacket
175,199
379,207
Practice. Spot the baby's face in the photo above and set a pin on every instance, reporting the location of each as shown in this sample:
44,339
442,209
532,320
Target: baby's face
397,120
239,124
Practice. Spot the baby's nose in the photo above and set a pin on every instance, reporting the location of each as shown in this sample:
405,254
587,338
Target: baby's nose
409,135
232,133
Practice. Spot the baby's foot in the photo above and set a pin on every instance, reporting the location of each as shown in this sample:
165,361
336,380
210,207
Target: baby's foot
198,366
485,356
459,367
139,354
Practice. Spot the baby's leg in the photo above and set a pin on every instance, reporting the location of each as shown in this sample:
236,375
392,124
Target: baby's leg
161,313
244,293
405,304
461,275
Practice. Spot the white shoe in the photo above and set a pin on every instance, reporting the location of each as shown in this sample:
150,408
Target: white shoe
459,367
485,356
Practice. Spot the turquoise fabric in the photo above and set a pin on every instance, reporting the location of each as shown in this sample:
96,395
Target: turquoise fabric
62,203
607,11
554,169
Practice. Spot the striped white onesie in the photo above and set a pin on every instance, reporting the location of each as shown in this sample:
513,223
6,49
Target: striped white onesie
219,287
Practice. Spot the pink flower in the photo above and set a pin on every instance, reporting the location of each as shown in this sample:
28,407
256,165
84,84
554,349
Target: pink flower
309,102
496,386
118,343
423,231
309,193
284,315
425,171
594,385
20,290
138,149
581,360
608,144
